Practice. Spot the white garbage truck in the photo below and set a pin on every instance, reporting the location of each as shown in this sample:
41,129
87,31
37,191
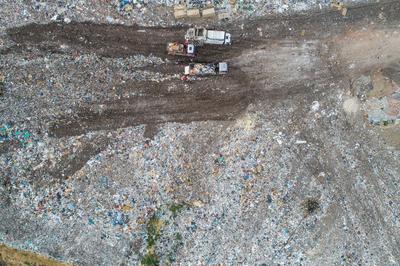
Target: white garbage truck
202,36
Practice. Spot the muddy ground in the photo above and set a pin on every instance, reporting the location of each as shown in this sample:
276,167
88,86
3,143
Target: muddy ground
262,44
80,88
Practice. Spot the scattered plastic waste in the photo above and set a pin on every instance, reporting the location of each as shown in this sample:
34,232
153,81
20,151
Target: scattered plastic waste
220,160
247,176
315,106
9,133
123,3
118,218
71,206
231,190
104,181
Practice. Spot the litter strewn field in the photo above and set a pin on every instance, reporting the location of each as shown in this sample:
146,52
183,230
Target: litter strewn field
111,155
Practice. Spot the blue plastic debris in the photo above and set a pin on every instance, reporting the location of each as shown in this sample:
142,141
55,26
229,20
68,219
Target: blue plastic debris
220,160
192,227
71,206
87,98
247,176
286,232
119,218
269,198
289,184
123,3
91,221
104,181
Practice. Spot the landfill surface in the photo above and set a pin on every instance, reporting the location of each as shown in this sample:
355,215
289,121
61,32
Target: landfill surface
109,157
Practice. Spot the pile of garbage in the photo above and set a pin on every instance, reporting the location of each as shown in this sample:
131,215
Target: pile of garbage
126,6
379,94
11,134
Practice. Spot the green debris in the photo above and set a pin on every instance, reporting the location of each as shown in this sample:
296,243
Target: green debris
150,259
178,243
246,5
178,236
27,135
153,229
220,160
171,258
10,133
175,209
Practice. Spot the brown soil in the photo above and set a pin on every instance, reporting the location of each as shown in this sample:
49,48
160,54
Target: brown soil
10,256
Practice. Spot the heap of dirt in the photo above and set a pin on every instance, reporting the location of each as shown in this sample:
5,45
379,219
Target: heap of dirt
15,257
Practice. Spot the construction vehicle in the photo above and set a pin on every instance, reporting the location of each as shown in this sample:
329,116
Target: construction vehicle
202,36
199,69
182,49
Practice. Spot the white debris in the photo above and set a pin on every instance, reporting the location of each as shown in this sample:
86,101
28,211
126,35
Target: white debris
351,106
110,19
315,106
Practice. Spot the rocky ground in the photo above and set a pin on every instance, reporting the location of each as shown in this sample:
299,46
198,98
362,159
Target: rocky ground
108,158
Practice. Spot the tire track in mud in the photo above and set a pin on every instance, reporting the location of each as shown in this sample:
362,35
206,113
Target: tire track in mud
114,41
214,98
102,39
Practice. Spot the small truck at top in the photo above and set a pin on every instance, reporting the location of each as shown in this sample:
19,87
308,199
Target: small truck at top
201,36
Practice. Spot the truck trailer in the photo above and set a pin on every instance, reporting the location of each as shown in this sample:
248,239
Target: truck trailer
202,36
206,69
